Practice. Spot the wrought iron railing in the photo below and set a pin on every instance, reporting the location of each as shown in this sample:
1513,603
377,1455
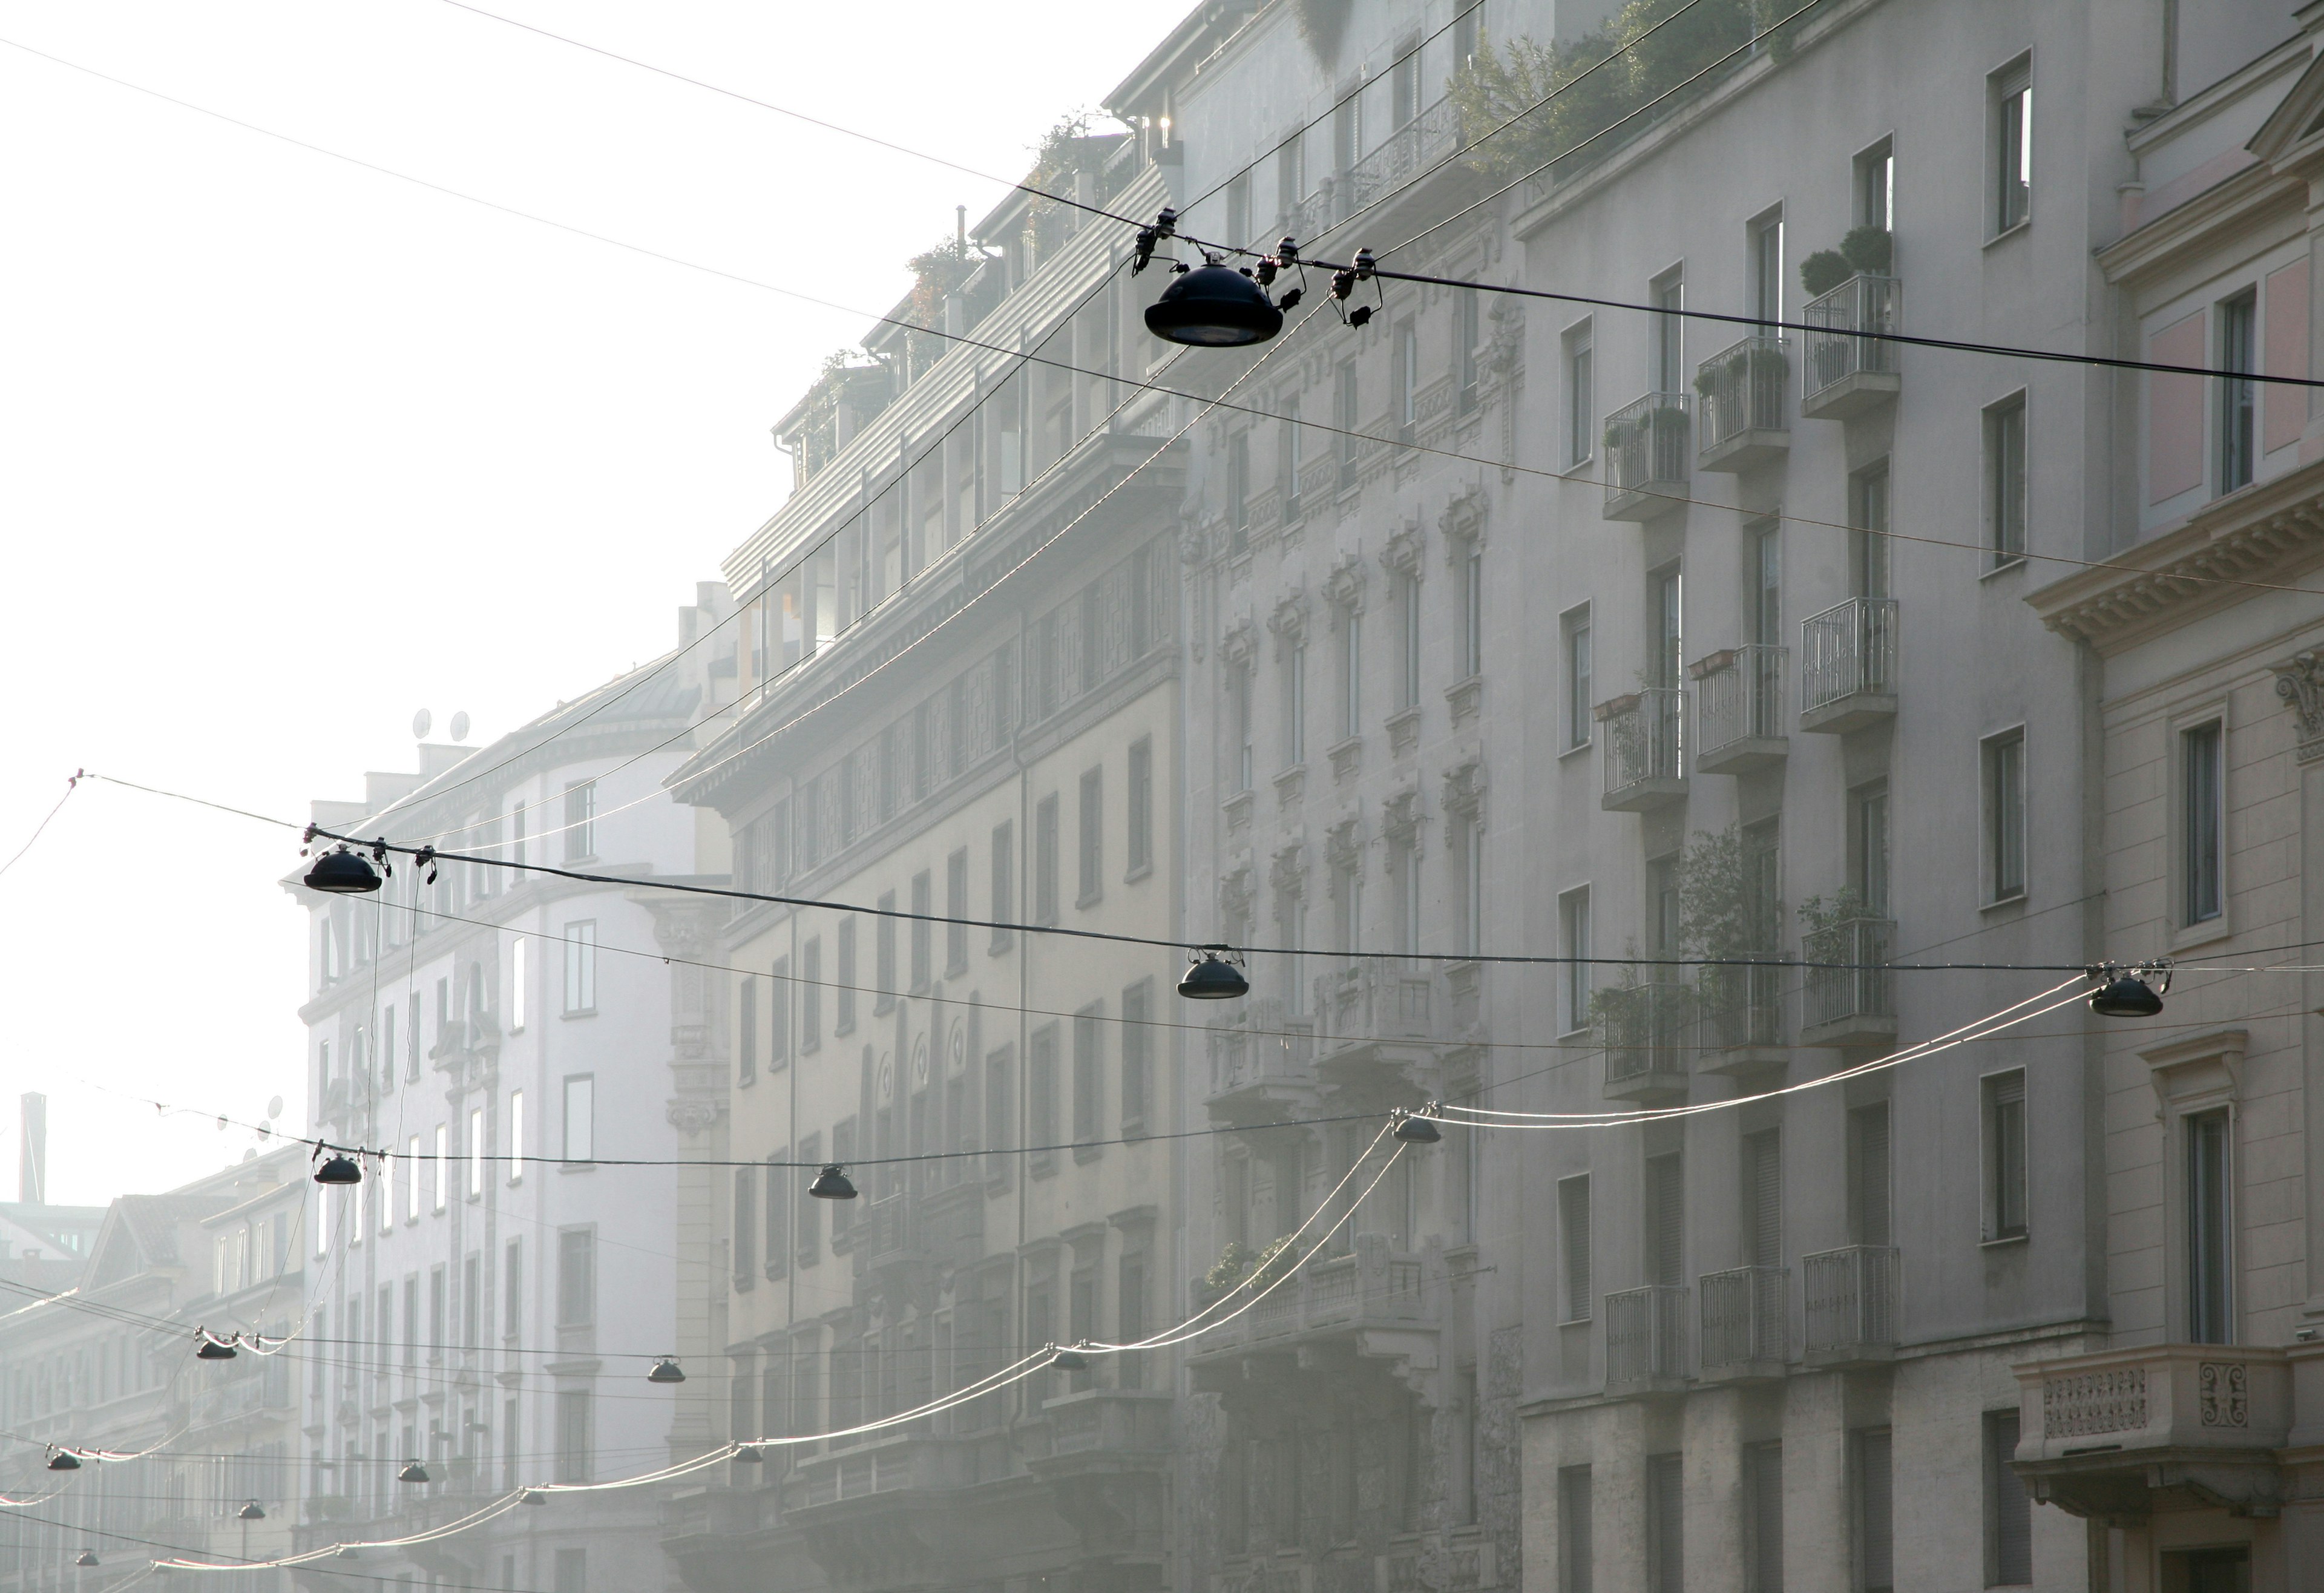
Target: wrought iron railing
1847,650
1740,696
1745,1319
1647,444
1742,1004
1743,389
1645,1336
1851,1298
1834,353
1856,982
1644,738
1411,148
1643,1029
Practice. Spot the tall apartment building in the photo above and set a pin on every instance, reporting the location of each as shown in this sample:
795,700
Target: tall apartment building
959,700
490,1318
103,1360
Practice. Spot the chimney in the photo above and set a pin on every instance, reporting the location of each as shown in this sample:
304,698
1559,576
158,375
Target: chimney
32,1150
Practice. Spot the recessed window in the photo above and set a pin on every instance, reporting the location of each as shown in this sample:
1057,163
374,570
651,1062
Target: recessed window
2008,1509
1580,683
2004,479
1580,397
1573,943
1407,610
2210,1233
2003,1103
1141,807
1472,608
580,820
2203,753
580,1117
2012,93
1573,1238
580,968
2238,406
2003,778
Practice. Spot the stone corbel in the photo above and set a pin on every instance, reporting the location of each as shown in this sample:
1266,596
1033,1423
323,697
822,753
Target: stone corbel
1287,872
1464,783
1343,847
2300,681
1344,587
2198,1070
690,1115
1463,519
1238,643
1402,553
1288,620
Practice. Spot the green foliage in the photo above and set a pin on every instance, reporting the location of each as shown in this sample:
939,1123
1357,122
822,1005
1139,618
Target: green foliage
935,273
1870,249
1633,68
1239,1264
1821,915
1823,270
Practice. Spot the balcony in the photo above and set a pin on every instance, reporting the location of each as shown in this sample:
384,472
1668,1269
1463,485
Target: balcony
1645,1340
1853,1002
2119,1433
1378,1026
1645,749
1642,1031
1847,375
1746,1322
1381,1296
1739,709
1852,1305
1848,674
1646,456
904,1233
1263,1064
1745,421
1428,138
1742,1010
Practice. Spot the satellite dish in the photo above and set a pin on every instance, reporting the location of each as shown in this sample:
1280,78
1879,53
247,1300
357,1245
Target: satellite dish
274,1107
264,1130
460,726
419,724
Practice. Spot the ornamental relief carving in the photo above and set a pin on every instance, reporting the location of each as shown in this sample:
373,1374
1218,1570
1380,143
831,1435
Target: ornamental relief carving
2222,1395
2301,683
2085,1402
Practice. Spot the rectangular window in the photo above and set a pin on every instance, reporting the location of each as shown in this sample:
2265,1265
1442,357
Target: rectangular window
1239,229
1041,1091
1470,332
580,1117
1470,859
1346,416
442,1190
1352,671
1575,1561
1581,396
1763,1518
1667,332
1238,492
811,994
843,1020
883,954
807,1237
518,958
1408,380
1665,1216
1875,187
1089,835
924,905
1241,751
2238,395
1763,1198
2004,1155
2210,1233
2012,91
2004,479
955,910
779,1213
580,969
1089,1078
1573,1235
1137,1055
580,820
1472,608
572,1461
476,1152
746,1030
842,1151
1294,457
1665,1525
1141,806
1869,1217
1004,885
1294,703
472,1302
1408,611
1580,683
1874,1488
438,1308
411,1180
2008,1511
577,1277
2202,752
2005,816
1868,846
778,1013
1574,982
1867,492
744,1250
1044,860
1766,239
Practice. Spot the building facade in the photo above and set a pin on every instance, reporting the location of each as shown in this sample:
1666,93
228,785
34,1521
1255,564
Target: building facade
488,1301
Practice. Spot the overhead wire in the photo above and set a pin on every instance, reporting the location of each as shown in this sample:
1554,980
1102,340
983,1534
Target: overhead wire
71,785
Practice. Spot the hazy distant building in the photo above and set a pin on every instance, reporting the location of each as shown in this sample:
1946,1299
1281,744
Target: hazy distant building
493,1318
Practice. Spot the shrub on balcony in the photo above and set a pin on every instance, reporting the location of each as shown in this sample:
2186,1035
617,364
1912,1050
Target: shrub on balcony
1823,270
1822,915
1870,250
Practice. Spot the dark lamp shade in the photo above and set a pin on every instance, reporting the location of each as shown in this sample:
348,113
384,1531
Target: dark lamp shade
1069,1360
1414,1130
211,1349
1213,979
666,1370
250,1512
85,1557
339,1170
341,872
413,1471
832,1185
2125,996
64,1461
1214,306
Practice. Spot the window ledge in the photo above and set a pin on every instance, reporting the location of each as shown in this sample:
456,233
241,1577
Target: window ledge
581,1012
2010,565
1043,1168
1086,1153
956,970
2004,1242
1577,1321
1084,903
1000,944
576,1166
2189,936
1578,747
2004,904
2005,233
1143,872
882,1005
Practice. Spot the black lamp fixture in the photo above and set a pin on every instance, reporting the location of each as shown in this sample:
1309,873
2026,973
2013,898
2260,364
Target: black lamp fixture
832,1185
532,1495
413,1471
748,1454
1213,976
2129,993
211,1348
1069,1360
1417,1131
666,1370
250,1512
1213,306
85,1557
341,872
63,1460
340,1168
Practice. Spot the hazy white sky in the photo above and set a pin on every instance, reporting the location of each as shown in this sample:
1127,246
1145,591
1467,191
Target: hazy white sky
289,449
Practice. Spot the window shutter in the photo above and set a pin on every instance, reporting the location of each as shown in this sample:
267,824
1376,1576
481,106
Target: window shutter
1766,1194
1666,1193
1581,1302
2285,354
2012,1517
1767,1481
1872,1215
1665,1533
1574,1528
1874,1513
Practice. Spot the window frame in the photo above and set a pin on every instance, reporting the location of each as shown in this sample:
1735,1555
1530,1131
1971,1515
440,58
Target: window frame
2007,482
580,993
580,820
1577,986
1580,345
1138,845
2009,154
2004,1156
1577,1276
2004,806
2236,442
582,1148
2190,925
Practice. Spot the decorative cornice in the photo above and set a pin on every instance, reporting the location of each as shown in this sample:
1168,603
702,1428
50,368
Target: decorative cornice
2261,533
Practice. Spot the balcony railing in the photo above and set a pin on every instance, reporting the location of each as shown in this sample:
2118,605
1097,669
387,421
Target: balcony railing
1375,999
2119,1431
1745,417
1646,455
1847,374
1369,1283
1740,708
1644,1030
1745,1321
1260,1059
1851,1304
1847,668
1410,150
1646,1338
1645,748
1742,1007
1852,1002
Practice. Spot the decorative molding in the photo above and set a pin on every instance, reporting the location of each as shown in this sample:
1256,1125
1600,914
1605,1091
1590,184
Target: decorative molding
2084,1404
1235,892
2262,533
1402,553
2196,1070
1464,783
1343,588
1287,870
691,1114
1288,620
2300,681
1238,643
1463,519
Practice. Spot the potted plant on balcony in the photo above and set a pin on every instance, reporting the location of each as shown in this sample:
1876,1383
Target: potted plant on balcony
1870,250
1823,270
